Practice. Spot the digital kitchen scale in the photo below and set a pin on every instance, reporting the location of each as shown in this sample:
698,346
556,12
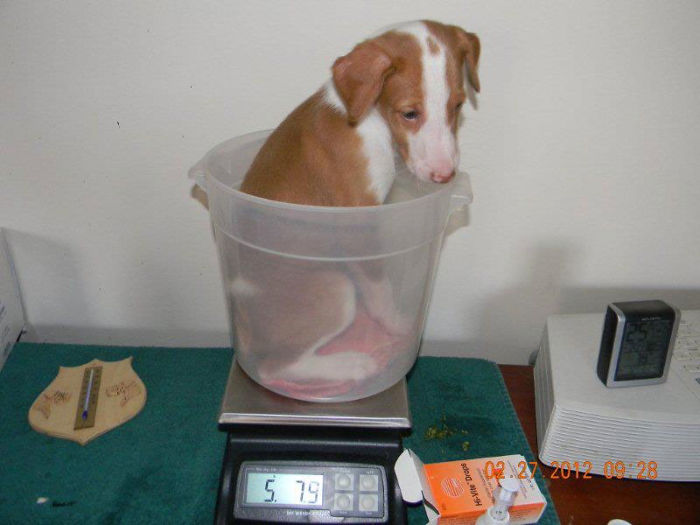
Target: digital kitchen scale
289,461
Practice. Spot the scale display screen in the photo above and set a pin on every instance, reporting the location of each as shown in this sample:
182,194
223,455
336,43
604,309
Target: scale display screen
284,489
311,491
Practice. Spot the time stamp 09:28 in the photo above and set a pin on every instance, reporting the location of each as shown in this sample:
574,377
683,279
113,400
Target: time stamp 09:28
575,470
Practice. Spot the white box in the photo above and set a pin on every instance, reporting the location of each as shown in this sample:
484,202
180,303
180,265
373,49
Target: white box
648,432
459,492
11,311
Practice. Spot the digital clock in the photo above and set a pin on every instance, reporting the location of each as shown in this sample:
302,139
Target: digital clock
637,343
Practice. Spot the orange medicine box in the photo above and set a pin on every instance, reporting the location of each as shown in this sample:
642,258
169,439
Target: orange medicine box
458,492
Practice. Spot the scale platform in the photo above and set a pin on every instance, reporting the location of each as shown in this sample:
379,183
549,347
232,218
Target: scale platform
247,403
290,461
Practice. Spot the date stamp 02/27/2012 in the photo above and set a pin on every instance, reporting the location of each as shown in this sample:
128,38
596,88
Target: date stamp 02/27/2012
576,470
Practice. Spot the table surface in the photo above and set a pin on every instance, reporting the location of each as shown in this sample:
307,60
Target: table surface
578,501
137,474
598,500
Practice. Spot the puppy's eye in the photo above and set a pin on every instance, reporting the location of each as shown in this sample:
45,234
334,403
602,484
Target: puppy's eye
410,115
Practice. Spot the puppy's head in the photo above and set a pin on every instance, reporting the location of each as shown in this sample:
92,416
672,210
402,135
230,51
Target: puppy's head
413,75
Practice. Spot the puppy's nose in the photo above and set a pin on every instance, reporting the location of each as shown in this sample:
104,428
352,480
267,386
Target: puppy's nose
441,176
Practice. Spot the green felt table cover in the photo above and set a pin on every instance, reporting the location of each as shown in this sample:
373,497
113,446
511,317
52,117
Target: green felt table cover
163,465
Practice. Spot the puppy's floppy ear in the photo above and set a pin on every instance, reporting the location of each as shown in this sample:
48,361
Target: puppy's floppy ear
359,78
470,47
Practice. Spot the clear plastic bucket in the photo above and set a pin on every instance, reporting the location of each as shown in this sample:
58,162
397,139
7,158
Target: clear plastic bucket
325,304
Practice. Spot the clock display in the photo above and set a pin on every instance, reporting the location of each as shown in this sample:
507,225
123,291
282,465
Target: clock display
643,349
637,343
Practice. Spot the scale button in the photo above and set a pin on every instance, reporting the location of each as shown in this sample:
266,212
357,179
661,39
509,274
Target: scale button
343,481
369,482
369,502
342,502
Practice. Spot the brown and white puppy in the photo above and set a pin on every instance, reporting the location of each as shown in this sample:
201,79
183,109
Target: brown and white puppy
398,92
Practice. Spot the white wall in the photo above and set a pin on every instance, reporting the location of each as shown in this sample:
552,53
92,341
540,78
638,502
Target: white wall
583,156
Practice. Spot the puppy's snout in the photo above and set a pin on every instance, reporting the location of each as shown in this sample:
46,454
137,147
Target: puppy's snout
442,176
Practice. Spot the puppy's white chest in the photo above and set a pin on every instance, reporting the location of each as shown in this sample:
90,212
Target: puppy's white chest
377,145
379,150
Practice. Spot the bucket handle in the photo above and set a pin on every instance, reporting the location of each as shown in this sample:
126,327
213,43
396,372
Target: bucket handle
198,175
462,194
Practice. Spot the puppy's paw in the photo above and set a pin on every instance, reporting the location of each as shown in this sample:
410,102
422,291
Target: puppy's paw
240,287
360,366
396,323
385,312
378,297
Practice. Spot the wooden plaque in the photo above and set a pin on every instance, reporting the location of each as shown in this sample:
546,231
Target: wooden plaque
84,402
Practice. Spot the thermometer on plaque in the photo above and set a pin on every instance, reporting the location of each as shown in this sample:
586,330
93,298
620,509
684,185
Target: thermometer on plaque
86,404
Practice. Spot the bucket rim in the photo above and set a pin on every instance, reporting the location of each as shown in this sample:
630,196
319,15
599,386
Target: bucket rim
446,189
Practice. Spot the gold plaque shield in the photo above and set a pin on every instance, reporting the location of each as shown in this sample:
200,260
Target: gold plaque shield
83,402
